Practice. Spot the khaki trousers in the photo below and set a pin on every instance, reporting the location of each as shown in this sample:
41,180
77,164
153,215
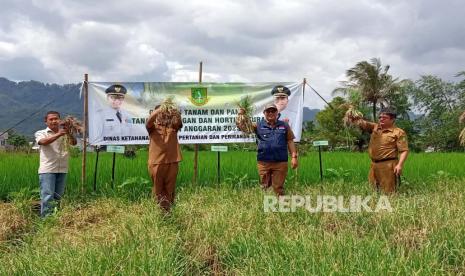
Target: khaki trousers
382,176
273,174
164,183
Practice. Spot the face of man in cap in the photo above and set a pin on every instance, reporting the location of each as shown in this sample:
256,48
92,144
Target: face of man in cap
281,102
115,100
115,95
271,114
281,96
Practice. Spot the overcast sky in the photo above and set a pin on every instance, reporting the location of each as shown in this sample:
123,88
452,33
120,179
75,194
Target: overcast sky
252,41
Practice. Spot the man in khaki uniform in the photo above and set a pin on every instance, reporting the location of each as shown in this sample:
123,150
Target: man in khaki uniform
164,156
274,139
388,150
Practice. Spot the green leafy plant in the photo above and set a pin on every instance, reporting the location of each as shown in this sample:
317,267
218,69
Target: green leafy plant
339,173
441,176
134,188
239,181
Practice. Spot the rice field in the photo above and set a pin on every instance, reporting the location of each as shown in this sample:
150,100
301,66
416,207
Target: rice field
19,171
222,228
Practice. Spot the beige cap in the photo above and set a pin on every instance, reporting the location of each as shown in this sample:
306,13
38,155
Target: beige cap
269,106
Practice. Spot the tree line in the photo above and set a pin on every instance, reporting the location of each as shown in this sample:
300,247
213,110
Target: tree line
428,108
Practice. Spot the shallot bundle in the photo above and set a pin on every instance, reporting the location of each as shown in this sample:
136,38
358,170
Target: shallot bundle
462,137
462,133
352,115
243,119
73,125
169,114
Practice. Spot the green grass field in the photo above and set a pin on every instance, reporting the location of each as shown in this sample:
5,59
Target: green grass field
19,171
222,228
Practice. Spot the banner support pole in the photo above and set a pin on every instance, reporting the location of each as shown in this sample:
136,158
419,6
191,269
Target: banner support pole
84,133
97,149
196,146
113,171
321,165
218,156
303,88
303,98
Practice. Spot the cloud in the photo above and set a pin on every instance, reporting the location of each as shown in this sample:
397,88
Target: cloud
26,68
261,40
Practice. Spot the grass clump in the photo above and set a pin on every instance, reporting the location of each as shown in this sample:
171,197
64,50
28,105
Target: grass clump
12,222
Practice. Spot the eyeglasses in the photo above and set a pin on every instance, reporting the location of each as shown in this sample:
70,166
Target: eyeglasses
271,111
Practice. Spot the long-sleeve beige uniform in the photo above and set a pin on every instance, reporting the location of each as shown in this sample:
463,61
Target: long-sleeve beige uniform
384,148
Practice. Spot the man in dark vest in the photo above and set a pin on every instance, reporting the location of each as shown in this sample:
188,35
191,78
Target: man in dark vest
275,139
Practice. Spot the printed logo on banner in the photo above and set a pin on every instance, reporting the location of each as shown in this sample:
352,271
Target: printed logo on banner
199,96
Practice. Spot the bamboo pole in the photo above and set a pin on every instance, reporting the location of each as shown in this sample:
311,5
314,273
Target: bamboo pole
303,88
84,133
196,146
297,148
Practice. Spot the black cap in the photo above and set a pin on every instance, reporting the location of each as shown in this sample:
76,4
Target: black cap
116,89
280,90
391,112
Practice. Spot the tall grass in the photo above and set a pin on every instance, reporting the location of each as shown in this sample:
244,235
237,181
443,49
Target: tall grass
222,228
225,231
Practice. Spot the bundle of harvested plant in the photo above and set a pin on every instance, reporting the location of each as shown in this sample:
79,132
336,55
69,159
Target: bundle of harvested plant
352,115
462,137
74,126
462,133
169,114
243,119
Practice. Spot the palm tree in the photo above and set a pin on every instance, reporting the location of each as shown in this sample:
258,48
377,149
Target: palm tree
372,80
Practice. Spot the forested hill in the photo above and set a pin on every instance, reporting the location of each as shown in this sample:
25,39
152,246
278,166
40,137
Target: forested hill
19,100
